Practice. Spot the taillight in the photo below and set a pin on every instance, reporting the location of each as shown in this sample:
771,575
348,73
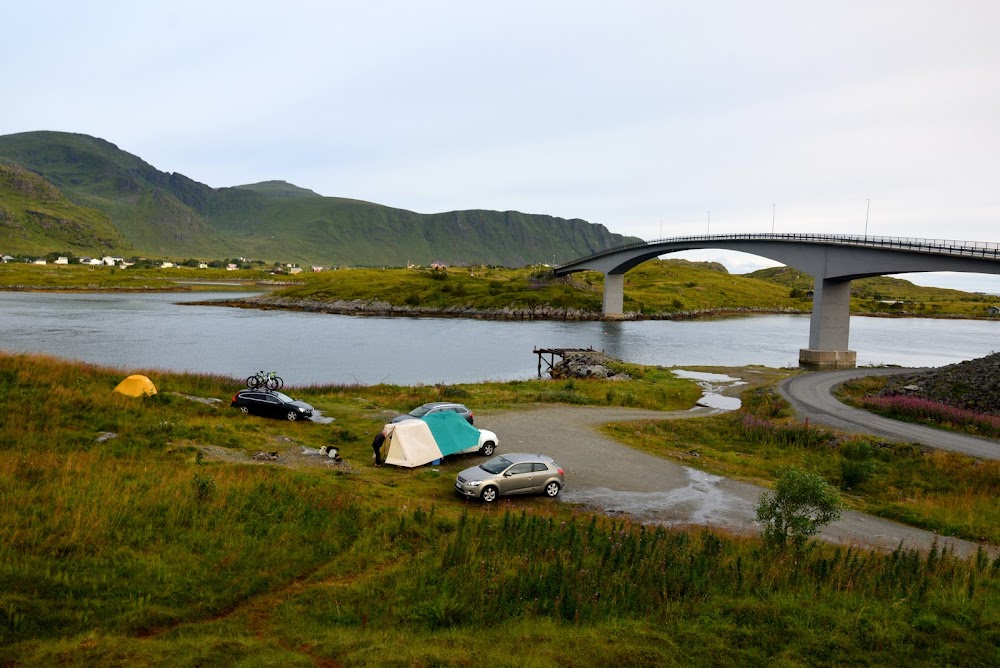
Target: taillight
560,472
235,397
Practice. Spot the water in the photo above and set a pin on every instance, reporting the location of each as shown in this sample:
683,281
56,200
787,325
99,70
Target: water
713,384
152,331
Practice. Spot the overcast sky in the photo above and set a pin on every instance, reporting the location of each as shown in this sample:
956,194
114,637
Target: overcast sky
654,117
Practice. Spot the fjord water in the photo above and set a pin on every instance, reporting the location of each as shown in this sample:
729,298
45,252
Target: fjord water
157,331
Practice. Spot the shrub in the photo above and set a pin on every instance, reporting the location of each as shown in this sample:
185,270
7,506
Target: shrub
799,506
203,486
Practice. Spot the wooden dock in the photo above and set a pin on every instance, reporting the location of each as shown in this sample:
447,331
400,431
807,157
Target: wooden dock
556,352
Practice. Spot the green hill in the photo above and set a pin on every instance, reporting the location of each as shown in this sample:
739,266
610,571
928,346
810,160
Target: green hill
875,288
35,217
172,215
885,294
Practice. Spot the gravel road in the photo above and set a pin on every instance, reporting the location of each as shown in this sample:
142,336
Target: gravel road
612,478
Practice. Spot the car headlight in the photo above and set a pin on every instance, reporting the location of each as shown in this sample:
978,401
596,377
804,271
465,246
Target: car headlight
474,483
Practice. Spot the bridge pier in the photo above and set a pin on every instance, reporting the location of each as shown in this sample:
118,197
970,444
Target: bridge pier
829,327
614,296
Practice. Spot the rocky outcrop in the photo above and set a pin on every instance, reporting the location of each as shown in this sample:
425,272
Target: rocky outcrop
973,385
587,364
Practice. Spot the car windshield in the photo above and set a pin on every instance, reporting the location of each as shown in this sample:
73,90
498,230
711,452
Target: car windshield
495,465
285,399
421,411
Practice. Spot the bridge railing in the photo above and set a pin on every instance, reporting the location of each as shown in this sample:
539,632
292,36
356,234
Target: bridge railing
978,249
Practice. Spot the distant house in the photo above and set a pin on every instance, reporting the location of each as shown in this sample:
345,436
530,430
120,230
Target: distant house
231,267
39,262
95,262
439,265
203,265
316,269
295,270
166,265
993,310
6,259
110,261
62,260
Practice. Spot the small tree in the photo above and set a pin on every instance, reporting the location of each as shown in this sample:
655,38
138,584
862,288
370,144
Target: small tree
799,506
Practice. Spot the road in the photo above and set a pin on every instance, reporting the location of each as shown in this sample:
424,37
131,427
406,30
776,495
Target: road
612,478
812,396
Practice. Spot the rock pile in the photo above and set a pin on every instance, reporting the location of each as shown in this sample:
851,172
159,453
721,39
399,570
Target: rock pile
587,364
973,385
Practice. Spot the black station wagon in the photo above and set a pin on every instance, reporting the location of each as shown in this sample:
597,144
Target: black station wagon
271,404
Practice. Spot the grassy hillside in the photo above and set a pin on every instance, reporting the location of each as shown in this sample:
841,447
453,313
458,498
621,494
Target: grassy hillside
654,288
884,294
139,532
154,211
170,214
35,217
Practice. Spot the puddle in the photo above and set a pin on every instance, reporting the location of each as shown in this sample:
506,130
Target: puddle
702,501
318,417
713,384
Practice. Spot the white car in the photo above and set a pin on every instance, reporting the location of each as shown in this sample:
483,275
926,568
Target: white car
487,444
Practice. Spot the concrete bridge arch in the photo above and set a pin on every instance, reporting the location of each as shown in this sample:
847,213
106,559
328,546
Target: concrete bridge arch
832,260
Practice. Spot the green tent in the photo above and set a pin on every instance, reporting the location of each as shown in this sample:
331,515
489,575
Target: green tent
452,432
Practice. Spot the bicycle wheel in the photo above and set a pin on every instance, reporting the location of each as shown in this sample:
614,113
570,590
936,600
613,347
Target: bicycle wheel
253,382
274,383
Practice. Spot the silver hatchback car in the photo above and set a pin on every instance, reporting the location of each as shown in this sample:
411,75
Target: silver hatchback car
514,473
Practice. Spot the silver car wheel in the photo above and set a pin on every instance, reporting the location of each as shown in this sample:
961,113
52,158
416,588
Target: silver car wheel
552,490
490,494
488,448
245,410
292,416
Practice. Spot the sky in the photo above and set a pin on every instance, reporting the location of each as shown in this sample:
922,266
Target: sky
652,118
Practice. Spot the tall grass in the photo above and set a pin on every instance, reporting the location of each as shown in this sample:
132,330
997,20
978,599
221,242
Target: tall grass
917,409
489,571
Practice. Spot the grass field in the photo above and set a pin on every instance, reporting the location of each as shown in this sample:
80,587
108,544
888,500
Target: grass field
139,549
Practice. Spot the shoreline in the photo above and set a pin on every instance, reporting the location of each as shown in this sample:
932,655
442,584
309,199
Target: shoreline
368,308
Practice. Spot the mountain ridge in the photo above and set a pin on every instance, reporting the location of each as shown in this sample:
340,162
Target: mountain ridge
170,214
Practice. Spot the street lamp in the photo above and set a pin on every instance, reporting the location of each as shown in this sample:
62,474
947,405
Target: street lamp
866,215
772,217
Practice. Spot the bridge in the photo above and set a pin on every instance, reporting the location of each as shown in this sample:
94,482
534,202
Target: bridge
832,260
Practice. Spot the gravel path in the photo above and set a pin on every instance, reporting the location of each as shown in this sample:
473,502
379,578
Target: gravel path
812,396
612,478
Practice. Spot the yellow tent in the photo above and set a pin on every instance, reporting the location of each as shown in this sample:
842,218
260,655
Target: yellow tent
136,386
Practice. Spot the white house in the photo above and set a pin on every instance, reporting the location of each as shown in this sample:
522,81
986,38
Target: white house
62,260
6,258
166,265
39,262
203,265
